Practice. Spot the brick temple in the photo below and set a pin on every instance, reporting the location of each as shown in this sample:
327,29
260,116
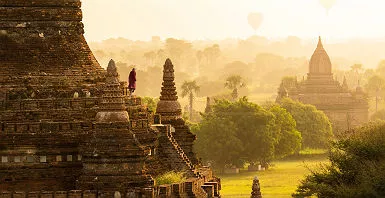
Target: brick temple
67,126
345,108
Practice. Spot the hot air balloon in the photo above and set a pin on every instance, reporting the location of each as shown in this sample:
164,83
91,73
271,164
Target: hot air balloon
255,20
327,4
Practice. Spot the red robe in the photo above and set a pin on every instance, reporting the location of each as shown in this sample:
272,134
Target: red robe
132,80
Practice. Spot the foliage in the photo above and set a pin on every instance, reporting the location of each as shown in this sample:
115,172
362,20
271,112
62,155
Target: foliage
210,54
379,115
188,88
313,124
170,178
356,169
375,84
233,83
150,103
178,50
380,70
287,137
242,132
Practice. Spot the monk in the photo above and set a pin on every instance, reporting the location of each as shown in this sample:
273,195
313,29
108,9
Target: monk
132,81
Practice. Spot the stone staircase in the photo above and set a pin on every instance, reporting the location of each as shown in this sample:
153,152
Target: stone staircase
182,155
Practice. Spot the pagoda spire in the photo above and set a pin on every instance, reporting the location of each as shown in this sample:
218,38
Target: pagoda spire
168,90
112,105
319,45
168,106
345,84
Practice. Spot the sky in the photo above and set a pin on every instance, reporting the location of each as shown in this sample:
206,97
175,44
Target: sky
221,19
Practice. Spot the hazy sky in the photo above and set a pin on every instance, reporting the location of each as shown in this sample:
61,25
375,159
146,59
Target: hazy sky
219,19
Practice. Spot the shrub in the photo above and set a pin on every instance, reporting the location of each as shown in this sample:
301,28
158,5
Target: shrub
170,178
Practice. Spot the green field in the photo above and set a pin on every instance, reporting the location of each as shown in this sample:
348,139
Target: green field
279,181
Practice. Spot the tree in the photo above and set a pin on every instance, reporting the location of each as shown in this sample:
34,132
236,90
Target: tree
218,134
314,125
379,115
259,135
189,88
356,167
150,57
233,83
380,70
150,103
356,68
287,137
212,53
375,86
178,49
239,68
199,55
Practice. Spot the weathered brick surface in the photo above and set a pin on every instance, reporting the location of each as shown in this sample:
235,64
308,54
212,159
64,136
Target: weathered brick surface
40,3
42,43
52,94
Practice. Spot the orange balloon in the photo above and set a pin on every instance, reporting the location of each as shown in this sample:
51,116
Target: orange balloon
255,20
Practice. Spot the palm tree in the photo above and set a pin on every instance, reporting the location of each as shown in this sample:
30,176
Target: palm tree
233,83
189,88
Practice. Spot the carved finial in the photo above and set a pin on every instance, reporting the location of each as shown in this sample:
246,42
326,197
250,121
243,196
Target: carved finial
168,62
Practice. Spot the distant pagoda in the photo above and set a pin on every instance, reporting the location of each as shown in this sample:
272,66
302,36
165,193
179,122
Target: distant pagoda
345,108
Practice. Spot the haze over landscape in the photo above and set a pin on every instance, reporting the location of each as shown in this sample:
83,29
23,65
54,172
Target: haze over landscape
192,98
262,41
218,19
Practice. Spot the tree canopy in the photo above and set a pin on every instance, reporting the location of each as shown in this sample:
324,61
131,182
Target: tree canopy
188,89
356,167
234,82
313,124
242,131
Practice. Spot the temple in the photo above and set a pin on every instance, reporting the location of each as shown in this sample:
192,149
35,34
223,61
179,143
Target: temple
345,108
67,126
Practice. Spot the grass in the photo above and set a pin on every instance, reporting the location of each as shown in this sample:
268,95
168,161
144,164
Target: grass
170,178
279,181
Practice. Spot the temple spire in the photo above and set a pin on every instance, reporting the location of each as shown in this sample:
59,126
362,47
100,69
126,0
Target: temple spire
319,42
112,106
168,106
345,84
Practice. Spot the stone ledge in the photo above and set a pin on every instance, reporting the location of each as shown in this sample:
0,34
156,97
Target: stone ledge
35,3
40,14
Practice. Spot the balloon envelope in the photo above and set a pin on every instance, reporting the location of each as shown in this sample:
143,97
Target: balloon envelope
327,4
255,20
